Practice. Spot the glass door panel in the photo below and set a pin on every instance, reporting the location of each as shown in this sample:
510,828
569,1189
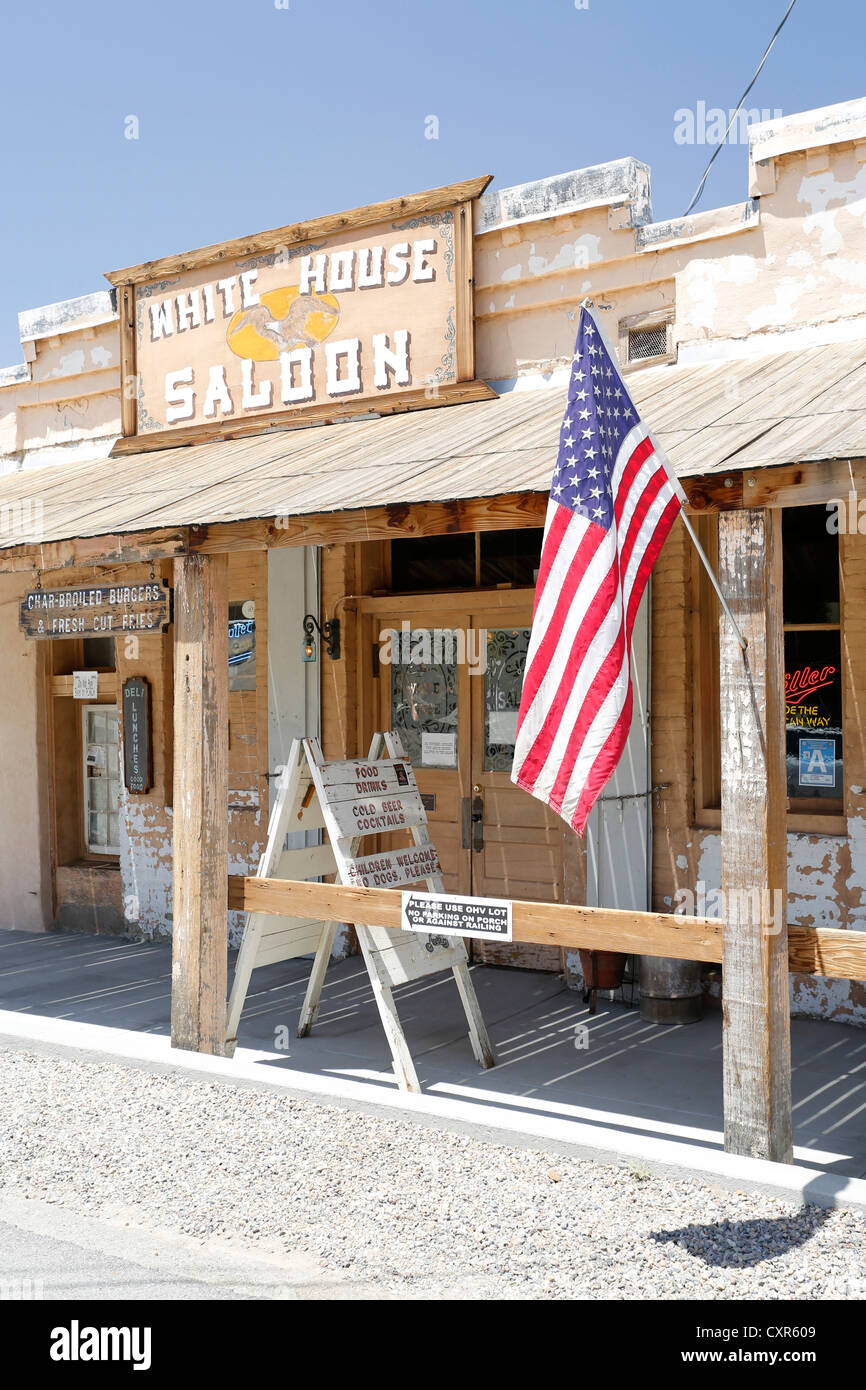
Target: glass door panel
520,850
424,698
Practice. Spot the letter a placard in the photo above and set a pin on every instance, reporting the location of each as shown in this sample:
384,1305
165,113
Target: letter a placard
350,800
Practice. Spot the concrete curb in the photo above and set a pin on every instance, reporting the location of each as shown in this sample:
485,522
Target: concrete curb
493,1120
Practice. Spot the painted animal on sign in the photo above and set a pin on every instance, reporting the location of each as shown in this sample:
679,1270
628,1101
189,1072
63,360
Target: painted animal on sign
291,328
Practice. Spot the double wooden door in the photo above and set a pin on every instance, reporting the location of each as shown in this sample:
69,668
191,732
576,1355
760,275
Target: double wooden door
449,681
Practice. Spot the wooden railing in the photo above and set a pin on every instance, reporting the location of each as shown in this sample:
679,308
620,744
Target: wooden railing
820,951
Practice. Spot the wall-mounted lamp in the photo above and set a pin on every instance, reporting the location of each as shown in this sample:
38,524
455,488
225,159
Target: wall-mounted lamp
329,633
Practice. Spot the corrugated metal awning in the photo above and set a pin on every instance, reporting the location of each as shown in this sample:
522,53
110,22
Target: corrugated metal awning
791,407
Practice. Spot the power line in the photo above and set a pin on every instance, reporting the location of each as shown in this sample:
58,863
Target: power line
700,188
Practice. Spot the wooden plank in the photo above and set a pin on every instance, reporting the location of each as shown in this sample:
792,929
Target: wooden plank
106,685
827,952
120,548
128,375
310,862
504,512
347,781
756,1012
393,867
398,521
328,412
546,924
294,800
96,609
822,951
374,815
409,205
200,923
785,485
465,292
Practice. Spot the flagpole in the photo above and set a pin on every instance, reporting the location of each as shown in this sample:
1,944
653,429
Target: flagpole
588,304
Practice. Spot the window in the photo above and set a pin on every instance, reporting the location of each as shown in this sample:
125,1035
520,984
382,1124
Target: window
433,562
242,645
647,339
811,619
647,342
813,665
101,779
467,560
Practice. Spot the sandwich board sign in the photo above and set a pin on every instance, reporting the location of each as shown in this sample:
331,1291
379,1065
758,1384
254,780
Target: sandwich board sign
349,800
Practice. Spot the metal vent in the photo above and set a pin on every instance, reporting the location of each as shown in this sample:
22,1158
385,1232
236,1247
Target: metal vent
647,342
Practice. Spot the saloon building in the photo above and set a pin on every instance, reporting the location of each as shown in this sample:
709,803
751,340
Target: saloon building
321,443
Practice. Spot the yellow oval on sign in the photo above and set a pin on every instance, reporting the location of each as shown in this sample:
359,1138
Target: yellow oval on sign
283,319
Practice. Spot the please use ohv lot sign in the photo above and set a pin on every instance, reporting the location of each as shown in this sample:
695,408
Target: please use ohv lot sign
448,915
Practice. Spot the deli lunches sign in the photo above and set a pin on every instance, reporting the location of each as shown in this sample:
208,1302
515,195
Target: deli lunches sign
100,610
355,308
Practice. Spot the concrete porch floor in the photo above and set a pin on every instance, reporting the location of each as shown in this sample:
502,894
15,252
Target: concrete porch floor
631,1077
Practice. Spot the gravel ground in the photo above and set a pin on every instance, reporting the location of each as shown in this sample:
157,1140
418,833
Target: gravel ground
416,1212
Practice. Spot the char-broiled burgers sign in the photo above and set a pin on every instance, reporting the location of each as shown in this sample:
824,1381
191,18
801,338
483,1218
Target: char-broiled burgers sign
356,308
97,610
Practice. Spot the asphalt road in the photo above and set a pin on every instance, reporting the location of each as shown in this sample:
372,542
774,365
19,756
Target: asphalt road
48,1252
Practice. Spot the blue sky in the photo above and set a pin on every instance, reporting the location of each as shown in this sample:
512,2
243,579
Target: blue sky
252,116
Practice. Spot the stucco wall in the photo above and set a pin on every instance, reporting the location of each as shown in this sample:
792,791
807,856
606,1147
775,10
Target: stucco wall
25,879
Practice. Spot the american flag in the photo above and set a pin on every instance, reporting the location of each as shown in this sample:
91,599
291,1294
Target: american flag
613,501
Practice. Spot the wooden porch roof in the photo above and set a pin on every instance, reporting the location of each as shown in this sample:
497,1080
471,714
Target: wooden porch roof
781,408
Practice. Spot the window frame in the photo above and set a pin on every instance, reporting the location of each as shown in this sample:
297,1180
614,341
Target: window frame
86,709
804,815
653,318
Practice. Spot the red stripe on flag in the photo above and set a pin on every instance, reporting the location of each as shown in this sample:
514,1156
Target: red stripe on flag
592,619
543,654
604,765
650,555
602,684
651,491
639,456
550,549
611,751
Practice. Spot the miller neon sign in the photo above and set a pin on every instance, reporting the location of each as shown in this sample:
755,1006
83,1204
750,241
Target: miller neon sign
802,683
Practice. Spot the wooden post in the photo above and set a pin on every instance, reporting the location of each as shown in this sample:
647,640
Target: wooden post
756,1012
201,666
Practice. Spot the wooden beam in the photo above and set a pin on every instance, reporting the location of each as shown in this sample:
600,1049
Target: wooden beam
410,205
756,1037
200,925
506,511
827,952
714,492
822,951
303,417
546,924
127,548
785,485
106,684
128,376
399,521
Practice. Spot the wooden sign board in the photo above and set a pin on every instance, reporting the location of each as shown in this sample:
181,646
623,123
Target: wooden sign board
348,799
394,867
98,610
137,740
358,309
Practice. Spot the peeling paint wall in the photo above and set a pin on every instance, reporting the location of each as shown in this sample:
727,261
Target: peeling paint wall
826,873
